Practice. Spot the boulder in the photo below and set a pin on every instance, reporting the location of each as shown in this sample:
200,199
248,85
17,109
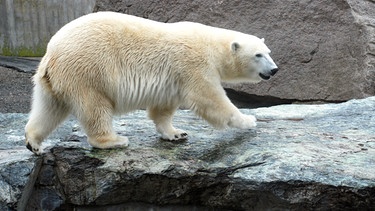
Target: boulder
325,49
298,157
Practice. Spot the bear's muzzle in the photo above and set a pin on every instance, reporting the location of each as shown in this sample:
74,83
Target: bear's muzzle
268,76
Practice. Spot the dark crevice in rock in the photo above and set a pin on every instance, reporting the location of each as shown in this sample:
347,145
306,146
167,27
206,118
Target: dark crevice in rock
223,172
29,187
245,100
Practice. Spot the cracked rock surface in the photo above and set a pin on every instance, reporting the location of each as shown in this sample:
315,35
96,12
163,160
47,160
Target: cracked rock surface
298,157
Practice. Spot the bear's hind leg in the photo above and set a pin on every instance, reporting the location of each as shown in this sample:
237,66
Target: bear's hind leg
162,118
46,114
95,115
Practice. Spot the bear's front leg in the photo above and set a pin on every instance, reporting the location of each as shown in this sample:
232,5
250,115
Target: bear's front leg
162,118
214,106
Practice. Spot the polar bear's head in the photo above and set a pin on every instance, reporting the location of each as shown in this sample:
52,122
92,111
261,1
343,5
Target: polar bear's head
252,60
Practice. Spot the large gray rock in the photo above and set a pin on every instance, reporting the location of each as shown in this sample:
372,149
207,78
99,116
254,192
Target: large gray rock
299,157
325,49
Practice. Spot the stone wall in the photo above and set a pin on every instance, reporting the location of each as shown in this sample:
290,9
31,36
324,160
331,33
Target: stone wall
27,26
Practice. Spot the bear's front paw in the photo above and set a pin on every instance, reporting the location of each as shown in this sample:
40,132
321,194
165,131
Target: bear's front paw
243,121
108,141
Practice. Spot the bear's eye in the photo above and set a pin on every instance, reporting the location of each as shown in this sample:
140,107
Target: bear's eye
259,55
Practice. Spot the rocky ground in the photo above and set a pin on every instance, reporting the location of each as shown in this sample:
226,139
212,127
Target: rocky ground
300,157
15,91
16,83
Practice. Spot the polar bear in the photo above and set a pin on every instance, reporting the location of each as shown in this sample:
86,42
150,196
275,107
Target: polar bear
107,63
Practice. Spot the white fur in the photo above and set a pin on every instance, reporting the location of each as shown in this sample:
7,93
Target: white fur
108,63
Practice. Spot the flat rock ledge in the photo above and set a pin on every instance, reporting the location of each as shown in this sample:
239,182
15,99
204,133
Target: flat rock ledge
299,157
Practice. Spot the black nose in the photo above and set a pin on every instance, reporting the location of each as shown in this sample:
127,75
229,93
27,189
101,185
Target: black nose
274,71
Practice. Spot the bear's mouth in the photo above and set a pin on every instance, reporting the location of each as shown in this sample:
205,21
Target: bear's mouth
264,77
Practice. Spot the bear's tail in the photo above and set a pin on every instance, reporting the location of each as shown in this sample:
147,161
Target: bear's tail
42,76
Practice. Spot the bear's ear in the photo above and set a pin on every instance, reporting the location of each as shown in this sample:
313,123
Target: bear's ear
262,39
235,46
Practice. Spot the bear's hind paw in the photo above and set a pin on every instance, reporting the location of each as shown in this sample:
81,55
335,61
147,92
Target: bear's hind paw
178,135
35,149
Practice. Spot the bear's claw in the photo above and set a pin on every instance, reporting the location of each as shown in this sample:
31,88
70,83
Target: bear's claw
181,136
176,137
